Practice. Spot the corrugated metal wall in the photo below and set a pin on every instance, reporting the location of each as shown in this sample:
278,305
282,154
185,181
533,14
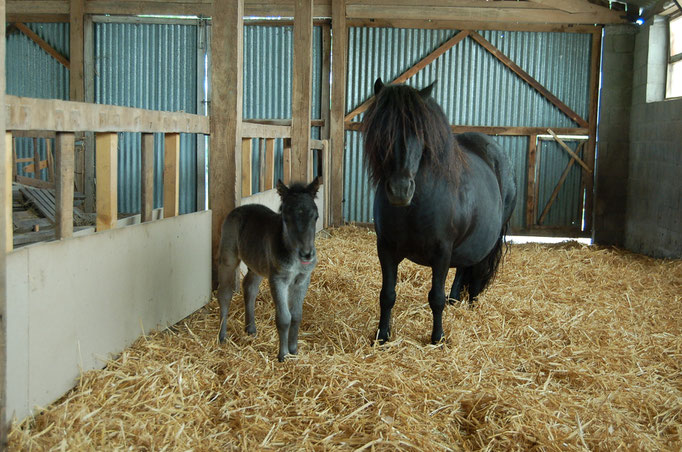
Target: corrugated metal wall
152,66
31,72
474,89
268,71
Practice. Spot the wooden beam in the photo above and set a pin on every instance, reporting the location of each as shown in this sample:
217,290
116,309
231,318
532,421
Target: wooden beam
6,232
528,79
269,182
531,188
107,180
42,44
171,175
246,176
301,93
252,130
76,50
26,113
36,159
430,58
226,113
64,150
438,24
569,150
338,107
590,151
6,185
147,177
325,83
499,130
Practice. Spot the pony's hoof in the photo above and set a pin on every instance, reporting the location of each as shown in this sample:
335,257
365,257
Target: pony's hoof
250,330
281,357
437,339
221,338
381,337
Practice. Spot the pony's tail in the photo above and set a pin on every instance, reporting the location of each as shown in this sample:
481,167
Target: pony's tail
487,268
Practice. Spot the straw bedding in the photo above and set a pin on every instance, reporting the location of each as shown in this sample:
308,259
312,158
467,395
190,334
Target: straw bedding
571,348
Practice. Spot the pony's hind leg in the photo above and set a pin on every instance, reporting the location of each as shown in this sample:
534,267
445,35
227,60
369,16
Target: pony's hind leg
250,286
462,280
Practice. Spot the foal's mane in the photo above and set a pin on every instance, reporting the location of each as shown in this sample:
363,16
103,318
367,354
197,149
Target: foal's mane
399,111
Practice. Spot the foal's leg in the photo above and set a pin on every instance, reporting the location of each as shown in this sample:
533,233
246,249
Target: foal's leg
227,282
462,280
280,295
439,270
389,276
297,293
250,288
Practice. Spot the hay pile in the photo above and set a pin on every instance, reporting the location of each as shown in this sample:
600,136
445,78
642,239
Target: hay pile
571,348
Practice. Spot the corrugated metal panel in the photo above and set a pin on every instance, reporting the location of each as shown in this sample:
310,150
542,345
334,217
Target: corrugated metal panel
268,72
152,66
32,72
473,87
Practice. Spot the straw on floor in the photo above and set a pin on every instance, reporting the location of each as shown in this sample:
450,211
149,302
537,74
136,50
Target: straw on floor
571,348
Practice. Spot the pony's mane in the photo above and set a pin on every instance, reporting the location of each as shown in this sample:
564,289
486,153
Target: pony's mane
399,111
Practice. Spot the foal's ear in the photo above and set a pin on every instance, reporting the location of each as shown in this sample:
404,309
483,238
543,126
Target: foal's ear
281,188
314,186
426,92
378,86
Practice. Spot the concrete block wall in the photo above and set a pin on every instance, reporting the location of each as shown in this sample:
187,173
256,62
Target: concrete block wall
653,221
614,135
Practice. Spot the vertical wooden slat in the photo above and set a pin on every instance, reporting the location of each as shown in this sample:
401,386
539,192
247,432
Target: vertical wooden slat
171,175
107,180
325,83
269,163
5,235
309,164
64,148
326,170
531,199
49,160
301,93
589,156
147,177
286,161
226,113
11,145
89,137
261,164
246,167
338,109
76,67
7,187
36,159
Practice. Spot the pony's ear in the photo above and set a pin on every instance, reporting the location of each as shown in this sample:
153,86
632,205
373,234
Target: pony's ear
281,188
314,186
426,92
378,86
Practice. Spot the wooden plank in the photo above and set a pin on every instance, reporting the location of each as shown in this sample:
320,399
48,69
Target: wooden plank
50,161
11,146
334,185
6,178
6,234
36,159
498,130
325,84
430,58
326,171
528,79
31,168
265,131
42,44
269,164
25,113
64,150
531,189
147,177
171,175
34,182
439,24
555,192
247,177
261,165
226,113
89,139
286,161
107,180
590,151
569,150
301,91
76,49
280,122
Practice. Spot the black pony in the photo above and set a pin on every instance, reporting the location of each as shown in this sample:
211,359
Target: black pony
442,200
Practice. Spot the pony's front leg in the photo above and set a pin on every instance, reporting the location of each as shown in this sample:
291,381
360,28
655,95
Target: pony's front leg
389,276
280,294
439,270
297,293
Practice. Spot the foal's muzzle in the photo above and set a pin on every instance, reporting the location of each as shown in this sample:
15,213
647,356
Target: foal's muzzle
400,191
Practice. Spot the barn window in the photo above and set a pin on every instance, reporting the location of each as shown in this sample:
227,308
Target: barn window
674,86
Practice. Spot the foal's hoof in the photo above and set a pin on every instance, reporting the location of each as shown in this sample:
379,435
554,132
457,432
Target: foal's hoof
382,337
437,339
281,357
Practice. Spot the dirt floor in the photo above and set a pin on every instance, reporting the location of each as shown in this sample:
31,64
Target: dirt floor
571,348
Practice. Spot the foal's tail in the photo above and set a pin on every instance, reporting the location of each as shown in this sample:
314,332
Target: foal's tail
487,268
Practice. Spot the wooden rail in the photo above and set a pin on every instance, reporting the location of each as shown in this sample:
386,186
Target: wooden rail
62,119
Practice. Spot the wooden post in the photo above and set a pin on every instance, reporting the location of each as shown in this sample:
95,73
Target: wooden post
5,234
36,159
261,164
8,239
89,138
64,185
589,156
246,167
226,113
338,109
325,83
531,200
301,94
147,177
269,163
49,160
107,180
171,175
76,61
286,161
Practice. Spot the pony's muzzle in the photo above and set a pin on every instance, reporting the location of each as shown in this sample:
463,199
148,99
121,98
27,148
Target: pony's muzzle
306,256
400,191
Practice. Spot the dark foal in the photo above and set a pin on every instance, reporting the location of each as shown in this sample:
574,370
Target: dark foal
277,246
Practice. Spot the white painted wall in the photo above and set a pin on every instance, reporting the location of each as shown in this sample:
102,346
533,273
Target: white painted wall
74,303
